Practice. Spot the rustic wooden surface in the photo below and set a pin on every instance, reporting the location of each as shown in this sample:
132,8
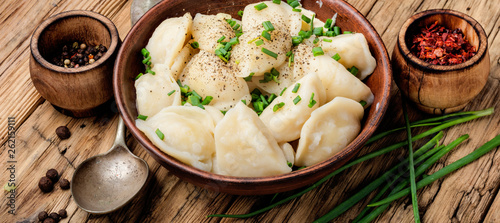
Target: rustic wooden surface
468,195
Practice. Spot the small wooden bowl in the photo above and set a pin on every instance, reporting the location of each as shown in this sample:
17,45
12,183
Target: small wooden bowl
129,64
440,89
81,91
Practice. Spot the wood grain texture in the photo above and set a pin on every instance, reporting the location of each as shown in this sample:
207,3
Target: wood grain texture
468,195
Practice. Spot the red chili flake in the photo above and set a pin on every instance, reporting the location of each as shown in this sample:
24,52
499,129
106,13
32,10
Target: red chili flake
437,44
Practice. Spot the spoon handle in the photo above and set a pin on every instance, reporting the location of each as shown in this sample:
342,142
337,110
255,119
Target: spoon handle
120,133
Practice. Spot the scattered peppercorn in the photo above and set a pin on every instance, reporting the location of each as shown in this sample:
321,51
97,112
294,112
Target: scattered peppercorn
62,213
53,175
49,220
42,215
63,132
64,184
45,184
54,216
79,55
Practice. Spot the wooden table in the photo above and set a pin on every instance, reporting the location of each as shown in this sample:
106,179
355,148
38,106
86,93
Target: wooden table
468,195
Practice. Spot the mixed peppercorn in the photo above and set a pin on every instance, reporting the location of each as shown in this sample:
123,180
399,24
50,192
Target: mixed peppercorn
79,54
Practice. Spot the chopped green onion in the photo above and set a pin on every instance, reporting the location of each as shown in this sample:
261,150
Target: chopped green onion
327,40
347,32
278,106
277,2
264,100
220,39
251,41
249,78
297,10
296,88
317,51
289,53
290,60
289,164
336,57
270,53
145,52
305,34
328,23
223,112
363,103
244,101
170,93
336,30
259,42
353,70
159,134
234,41
237,26
151,72
295,4
240,13
271,98
268,26
207,100
312,102
306,19
329,33
143,117
138,76
266,35
146,60
231,22
312,22
297,99
316,40
282,91
195,45
296,40
318,31
260,6
258,106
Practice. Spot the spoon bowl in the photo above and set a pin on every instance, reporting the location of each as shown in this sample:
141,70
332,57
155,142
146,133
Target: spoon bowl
106,182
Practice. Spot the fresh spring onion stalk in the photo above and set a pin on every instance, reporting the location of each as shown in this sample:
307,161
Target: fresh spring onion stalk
468,117
411,166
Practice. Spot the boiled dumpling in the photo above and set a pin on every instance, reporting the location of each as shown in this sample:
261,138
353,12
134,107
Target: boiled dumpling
286,78
249,58
245,147
168,39
335,77
289,153
155,92
207,29
281,17
286,122
187,131
353,51
182,59
208,75
330,129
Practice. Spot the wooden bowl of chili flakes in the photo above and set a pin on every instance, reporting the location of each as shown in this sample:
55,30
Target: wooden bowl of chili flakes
441,60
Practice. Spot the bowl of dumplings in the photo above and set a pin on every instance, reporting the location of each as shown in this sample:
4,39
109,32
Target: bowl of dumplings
252,97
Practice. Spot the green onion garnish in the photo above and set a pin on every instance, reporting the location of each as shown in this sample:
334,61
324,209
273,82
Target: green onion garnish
296,40
151,72
277,2
354,70
316,40
317,51
195,45
234,41
244,101
336,57
138,76
268,26
220,39
297,10
271,98
266,35
237,26
159,134
143,117
312,102
270,53
259,42
249,78
260,6
306,19
278,106
223,112
170,93
297,100
327,40
347,32
289,53
240,13
289,164
329,33
282,91
363,103
336,30
318,31
146,60
296,88
145,52
295,4
328,23
207,100
290,60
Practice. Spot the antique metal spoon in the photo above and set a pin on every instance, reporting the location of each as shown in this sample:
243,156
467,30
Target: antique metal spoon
106,182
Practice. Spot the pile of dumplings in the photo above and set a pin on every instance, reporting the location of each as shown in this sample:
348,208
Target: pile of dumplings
240,142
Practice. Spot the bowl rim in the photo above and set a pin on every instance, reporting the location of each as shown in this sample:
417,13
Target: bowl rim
105,21
409,56
173,165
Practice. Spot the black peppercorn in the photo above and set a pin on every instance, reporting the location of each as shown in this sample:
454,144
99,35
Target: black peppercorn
64,184
63,132
53,175
45,184
54,216
102,48
42,215
62,213
49,220
65,48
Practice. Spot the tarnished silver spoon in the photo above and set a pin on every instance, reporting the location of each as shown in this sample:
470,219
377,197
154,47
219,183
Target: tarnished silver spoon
106,182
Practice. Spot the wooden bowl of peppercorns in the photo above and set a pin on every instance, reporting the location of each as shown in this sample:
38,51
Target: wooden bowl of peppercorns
441,60
72,58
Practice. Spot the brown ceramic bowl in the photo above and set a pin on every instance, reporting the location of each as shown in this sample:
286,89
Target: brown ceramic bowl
440,89
77,92
128,65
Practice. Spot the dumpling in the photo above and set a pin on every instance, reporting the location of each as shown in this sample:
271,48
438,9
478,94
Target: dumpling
245,147
249,58
316,21
286,122
182,59
331,128
207,29
335,77
188,134
155,92
289,152
286,78
353,51
168,39
208,75
281,17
